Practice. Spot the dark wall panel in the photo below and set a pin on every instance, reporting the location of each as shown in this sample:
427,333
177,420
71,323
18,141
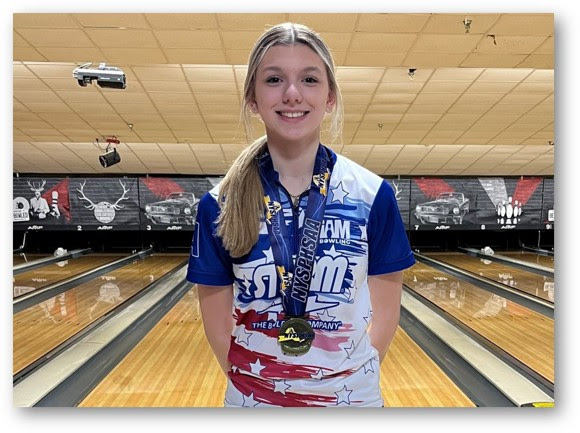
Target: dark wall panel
476,203
41,202
162,203
548,204
104,203
170,203
444,203
402,189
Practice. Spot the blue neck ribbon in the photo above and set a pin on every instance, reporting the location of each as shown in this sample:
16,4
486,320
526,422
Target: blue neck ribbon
294,277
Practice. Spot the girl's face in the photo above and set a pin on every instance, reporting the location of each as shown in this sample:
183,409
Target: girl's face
292,94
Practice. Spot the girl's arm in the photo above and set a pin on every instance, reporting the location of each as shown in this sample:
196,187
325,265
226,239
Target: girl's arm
385,291
216,304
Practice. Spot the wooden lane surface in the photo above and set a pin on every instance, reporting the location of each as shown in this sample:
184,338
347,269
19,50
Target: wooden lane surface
173,366
524,334
42,327
409,378
19,259
53,273
528,282
526,256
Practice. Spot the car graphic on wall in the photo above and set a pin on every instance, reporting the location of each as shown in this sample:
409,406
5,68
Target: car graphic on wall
447,208
177,208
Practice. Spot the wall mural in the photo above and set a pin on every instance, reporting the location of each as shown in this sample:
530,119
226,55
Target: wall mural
161,203
170,203
104,203
548,204
476,203
41,201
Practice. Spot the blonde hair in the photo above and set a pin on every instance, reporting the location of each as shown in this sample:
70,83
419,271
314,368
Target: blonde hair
241,192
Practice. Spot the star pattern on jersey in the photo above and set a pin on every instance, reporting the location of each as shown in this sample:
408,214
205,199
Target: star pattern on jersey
332,252
349,349
318,375
368,316
249,401
348,295
256,367
281,386
338,193
325,315
363,233
343,396
245,286
269,255
244,337
368,366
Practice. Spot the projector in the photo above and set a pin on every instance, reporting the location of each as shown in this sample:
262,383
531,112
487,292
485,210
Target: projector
110,158
106,76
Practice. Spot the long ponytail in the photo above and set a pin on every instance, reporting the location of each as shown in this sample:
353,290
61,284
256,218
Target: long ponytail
241,201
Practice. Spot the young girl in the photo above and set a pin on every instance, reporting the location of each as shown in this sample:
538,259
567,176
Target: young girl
296,243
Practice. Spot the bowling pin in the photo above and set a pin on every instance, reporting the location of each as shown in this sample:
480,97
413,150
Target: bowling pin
510,209
502,208
54,205
516,209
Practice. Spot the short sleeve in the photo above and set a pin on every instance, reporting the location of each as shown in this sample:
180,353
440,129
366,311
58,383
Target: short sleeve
209,262
389,249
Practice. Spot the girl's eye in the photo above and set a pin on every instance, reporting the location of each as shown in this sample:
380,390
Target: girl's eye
273,80
311,80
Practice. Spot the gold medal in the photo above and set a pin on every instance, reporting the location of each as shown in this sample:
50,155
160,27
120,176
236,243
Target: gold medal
295,336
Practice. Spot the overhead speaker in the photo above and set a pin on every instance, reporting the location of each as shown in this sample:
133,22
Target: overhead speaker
110,158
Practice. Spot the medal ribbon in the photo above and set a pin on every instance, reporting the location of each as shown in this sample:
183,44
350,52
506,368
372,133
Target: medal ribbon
294,278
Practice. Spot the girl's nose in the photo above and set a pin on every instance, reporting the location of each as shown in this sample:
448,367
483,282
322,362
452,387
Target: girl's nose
292,94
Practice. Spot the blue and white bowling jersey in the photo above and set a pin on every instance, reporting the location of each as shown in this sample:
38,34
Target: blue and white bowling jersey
362,234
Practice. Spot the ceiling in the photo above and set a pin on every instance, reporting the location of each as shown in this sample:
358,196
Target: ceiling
480,102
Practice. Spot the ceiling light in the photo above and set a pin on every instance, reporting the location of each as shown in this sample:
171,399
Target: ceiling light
467,24
111,156
107,76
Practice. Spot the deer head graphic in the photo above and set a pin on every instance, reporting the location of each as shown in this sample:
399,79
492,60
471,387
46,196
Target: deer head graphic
104,211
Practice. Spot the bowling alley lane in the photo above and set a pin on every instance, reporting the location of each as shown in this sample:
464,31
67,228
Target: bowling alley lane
173,366
42,327
22,258
526,256
53,273
528,282
524,334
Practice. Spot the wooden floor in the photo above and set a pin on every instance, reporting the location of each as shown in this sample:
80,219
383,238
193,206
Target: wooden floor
526,256
409,378
527,282
42,327
173,366
52,273
526,335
